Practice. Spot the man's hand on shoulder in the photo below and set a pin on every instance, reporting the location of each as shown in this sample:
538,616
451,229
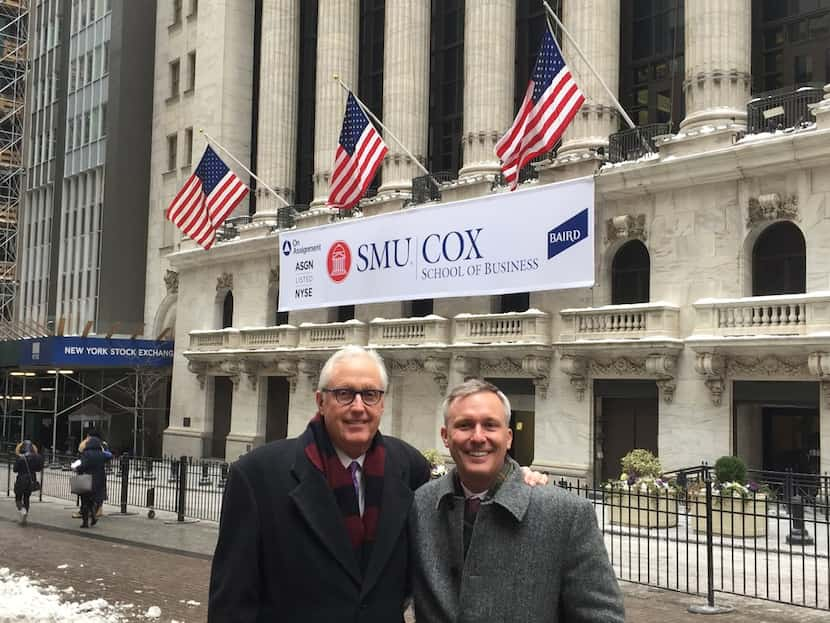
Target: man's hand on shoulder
534,478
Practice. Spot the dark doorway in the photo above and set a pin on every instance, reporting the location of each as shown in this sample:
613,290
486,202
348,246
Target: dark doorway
627,415
222,402
630,274
513,302
779,265
791,439
276,421
776,425
227,311
521,394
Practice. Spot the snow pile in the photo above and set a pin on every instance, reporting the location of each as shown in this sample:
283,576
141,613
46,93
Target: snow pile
23,599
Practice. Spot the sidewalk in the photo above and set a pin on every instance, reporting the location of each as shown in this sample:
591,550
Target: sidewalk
644,604
164,533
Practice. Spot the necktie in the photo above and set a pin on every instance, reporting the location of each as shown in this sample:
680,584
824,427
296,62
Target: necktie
471,506
354,470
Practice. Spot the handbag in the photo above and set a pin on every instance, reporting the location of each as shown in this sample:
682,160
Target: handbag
80,484
34,485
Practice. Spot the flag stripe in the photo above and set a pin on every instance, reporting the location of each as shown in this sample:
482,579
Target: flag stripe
207,198
358,155
551,101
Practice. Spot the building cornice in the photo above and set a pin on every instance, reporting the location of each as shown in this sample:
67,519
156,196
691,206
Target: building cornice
745,160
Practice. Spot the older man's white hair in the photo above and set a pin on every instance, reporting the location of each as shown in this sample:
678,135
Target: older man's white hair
352,352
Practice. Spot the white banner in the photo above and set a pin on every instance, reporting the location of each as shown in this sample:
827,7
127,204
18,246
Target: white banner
535,239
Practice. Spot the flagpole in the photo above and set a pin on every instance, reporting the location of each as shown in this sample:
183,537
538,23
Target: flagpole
246,169
591,67
365,109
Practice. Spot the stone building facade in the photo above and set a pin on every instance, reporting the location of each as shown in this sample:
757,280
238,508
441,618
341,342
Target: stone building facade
706,332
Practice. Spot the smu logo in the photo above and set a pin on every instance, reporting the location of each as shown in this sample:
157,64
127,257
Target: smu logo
339,261
286,248
567,234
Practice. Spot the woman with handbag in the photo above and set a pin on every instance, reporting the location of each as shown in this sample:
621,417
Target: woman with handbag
92,462
26,466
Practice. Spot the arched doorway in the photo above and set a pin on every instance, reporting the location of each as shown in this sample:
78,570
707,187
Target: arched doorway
779,263
630,274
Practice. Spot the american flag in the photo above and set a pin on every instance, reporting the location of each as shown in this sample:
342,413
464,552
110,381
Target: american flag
358,156
550,103
206,199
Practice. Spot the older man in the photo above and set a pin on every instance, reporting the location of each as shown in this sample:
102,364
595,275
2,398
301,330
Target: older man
488,548
313,528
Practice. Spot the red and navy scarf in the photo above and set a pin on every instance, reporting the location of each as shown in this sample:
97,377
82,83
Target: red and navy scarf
320,451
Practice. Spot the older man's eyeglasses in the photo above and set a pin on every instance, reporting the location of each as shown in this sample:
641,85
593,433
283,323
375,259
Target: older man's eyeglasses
346,395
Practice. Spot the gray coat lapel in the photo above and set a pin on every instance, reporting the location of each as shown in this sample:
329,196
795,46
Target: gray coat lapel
316,504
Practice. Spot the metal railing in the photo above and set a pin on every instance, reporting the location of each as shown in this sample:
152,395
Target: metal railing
635,143
771,546
188,487
426,188
782,109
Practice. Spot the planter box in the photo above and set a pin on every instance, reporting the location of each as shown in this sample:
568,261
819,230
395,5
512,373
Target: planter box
742,518
643,510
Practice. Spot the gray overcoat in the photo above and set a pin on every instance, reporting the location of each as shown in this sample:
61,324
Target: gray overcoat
536,554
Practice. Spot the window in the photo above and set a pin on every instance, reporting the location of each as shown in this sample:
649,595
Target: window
172,146
344,313
175,71
88,67
95,128
191,71
418,309
87,126
778,261
370,70
446,101
514,302
177,13
188,147
105,60
303,184
73,75
630,273
789,44
652,61
227,311
104,119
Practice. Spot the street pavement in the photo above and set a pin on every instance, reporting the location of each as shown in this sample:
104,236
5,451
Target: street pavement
146,562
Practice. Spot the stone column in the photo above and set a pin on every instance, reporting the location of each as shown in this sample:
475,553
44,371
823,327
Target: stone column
717,77
278,79
489,74
338,35
405,90
595,24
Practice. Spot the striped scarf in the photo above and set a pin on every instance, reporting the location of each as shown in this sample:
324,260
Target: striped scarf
320,451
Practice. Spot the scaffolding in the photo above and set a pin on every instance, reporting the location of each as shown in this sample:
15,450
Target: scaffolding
13,37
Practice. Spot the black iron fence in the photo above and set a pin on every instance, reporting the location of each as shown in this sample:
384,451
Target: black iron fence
769,544
635,143
782,109
182,485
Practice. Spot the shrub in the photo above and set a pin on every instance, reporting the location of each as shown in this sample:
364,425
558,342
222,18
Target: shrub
640,463
730,469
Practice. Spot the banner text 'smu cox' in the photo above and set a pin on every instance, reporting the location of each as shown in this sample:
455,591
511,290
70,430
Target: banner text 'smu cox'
538,239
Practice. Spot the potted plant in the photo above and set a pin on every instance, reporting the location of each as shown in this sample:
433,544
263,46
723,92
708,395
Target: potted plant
739,506
437,468
642,497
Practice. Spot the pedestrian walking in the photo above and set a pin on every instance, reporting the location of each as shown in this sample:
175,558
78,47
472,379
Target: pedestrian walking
93,461
26,466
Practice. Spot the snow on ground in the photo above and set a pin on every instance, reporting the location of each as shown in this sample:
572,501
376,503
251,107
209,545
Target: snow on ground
24,599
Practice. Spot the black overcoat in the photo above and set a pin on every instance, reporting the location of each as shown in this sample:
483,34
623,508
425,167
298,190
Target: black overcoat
283,554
